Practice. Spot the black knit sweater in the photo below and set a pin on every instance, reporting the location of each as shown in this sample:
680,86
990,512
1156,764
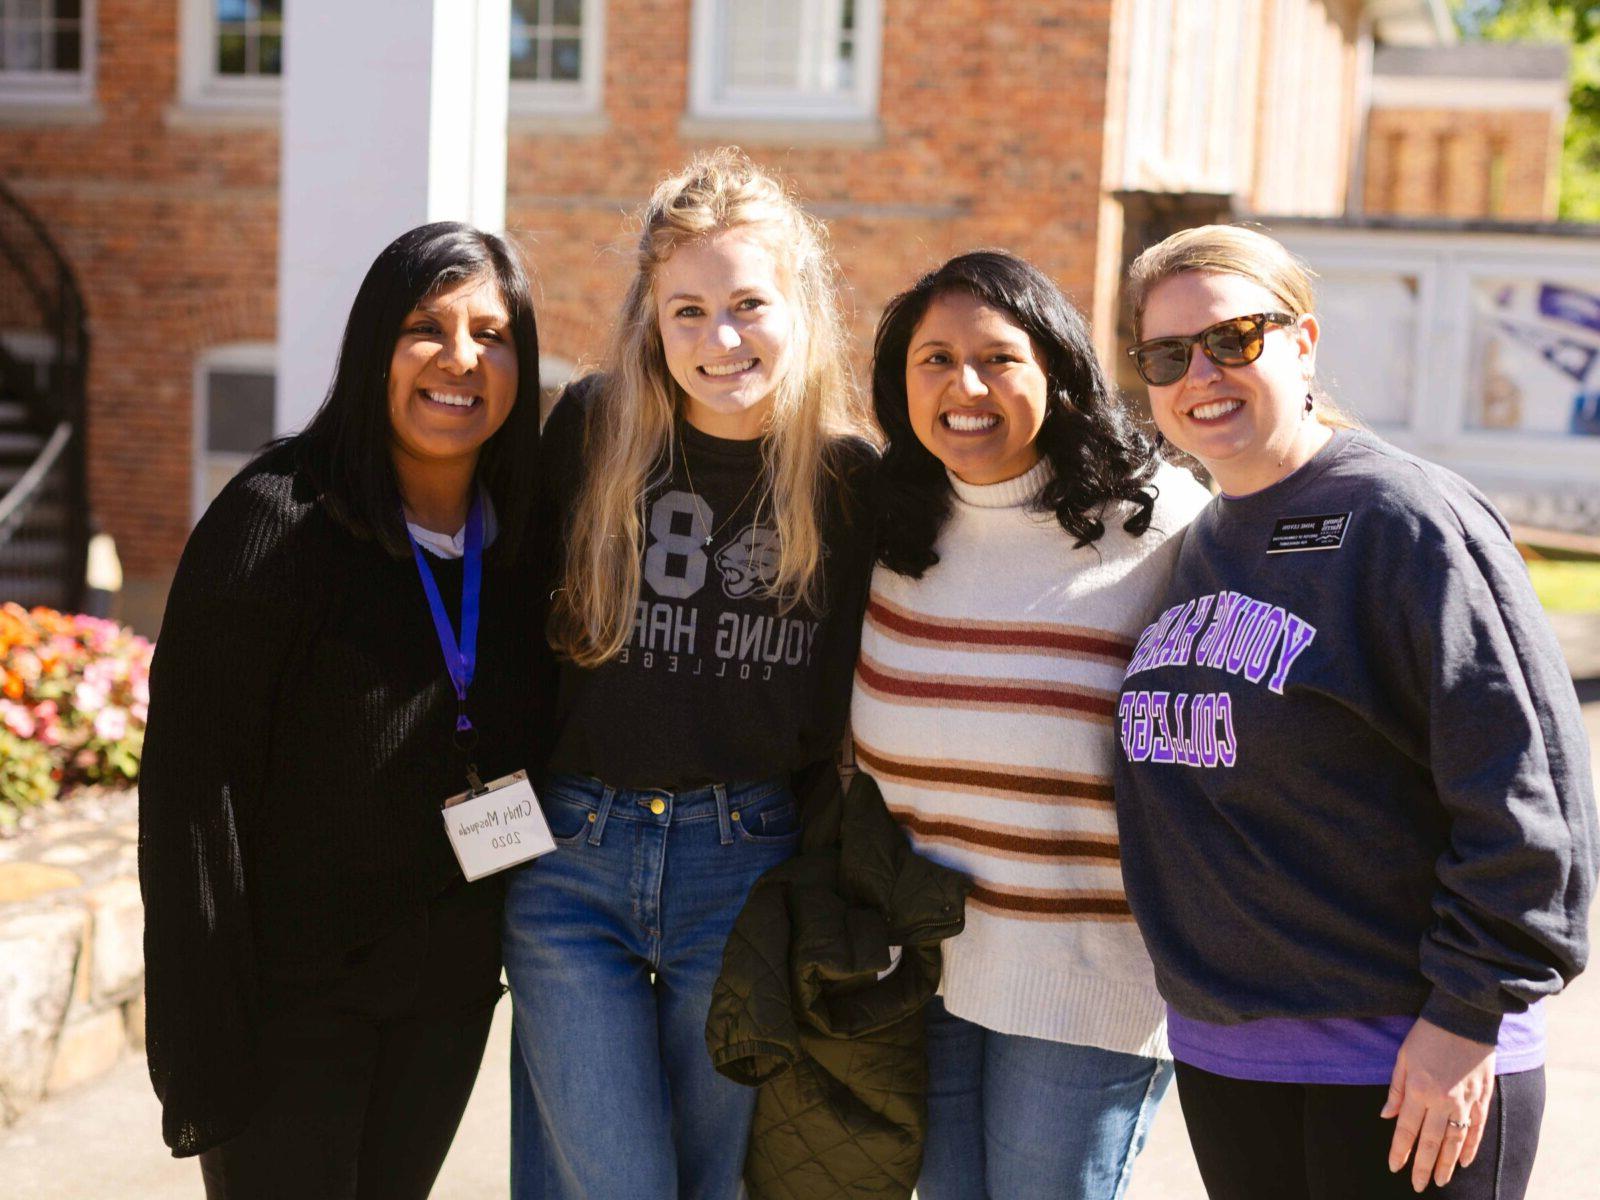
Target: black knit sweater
298,749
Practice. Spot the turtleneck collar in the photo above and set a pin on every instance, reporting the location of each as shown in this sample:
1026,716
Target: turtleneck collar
1009,493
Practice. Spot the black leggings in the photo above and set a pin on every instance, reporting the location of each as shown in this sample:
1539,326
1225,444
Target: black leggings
1292,1141
367,1064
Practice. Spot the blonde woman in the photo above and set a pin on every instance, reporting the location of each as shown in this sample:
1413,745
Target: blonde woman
1357,821
715,549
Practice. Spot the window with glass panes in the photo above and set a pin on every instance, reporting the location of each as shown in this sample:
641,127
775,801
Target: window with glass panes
787,57
249,38
235,415
41,37
547,41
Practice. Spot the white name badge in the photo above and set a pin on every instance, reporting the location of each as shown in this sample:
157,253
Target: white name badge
498,828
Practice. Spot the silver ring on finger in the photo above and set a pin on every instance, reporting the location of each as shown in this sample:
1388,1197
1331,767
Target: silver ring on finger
1455,1124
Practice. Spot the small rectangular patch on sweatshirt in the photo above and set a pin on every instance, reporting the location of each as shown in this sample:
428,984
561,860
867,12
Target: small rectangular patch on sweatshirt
1325,532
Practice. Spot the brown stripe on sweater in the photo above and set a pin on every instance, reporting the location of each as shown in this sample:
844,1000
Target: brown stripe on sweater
1010,842
956,776
1041,905
1003,695
997,637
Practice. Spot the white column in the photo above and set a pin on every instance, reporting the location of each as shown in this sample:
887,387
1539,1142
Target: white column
394,114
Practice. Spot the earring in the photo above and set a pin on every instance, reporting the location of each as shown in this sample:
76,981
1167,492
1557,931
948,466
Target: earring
1310,404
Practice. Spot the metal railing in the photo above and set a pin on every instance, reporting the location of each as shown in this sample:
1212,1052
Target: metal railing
44,511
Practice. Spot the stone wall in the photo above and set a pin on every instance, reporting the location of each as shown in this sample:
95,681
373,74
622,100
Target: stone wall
71,948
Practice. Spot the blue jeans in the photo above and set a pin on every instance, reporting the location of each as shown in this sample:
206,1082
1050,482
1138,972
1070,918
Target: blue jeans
612,945
1020,1118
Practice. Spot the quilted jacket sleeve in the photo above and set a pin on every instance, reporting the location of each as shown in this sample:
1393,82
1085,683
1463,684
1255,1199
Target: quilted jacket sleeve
750,1030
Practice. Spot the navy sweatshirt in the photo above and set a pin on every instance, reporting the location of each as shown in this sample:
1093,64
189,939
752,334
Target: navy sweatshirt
1354,779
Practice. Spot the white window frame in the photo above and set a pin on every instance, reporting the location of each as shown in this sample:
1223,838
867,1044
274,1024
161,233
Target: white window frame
575,96
64,88
710,98
199,85
233,356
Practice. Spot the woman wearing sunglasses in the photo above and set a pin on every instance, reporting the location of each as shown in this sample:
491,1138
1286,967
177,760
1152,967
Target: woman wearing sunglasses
1354,793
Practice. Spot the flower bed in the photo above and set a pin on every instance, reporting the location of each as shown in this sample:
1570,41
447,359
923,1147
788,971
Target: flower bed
73,697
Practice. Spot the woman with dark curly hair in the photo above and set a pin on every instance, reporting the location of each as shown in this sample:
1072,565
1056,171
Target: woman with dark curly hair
1026,531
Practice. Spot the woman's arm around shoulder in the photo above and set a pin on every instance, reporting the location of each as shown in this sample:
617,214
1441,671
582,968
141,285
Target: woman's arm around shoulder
561,444
853,464
1180,497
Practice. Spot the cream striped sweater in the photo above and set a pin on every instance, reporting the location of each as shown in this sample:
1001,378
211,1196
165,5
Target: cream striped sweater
983,706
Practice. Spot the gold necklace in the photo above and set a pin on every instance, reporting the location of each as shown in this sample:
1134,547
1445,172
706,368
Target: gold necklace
698,503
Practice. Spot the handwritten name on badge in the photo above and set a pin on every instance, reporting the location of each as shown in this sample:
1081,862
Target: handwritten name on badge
498,828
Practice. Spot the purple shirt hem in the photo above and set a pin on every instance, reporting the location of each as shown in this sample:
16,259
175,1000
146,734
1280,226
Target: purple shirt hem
1332,1051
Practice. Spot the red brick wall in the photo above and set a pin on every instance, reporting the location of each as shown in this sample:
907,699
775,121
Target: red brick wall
992,120
1462,163
992,116
172,232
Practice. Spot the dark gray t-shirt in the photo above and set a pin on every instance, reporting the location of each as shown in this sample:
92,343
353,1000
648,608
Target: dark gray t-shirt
1354,779
717,681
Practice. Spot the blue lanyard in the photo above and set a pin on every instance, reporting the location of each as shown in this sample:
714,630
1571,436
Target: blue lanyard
460,660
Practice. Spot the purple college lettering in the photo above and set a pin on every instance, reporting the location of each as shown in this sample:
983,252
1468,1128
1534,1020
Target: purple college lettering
1244,636
1191,730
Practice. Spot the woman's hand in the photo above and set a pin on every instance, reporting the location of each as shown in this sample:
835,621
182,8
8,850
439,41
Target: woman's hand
1440,1093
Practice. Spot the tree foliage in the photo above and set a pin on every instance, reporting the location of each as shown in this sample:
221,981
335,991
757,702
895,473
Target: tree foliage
1577,23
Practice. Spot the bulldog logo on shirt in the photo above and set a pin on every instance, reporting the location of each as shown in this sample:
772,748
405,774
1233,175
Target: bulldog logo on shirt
749,562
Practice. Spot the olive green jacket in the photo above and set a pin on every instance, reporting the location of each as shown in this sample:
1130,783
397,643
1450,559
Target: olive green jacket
819,1004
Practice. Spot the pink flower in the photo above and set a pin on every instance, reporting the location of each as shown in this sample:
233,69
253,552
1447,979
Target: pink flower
17,718
111,724
49,719
97,633
104,673
88,698
26,664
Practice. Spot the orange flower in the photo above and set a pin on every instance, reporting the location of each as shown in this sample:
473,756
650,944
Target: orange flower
50,621
12,687
15,628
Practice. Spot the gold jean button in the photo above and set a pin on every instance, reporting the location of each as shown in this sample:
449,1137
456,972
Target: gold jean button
735,816
591,818
658,806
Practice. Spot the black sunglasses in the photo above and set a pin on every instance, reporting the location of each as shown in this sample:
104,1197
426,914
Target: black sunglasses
1231,343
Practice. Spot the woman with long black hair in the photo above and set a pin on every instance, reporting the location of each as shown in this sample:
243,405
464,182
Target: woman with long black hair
1026,530
350,635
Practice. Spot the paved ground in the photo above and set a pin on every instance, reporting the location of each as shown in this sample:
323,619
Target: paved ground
103,1142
